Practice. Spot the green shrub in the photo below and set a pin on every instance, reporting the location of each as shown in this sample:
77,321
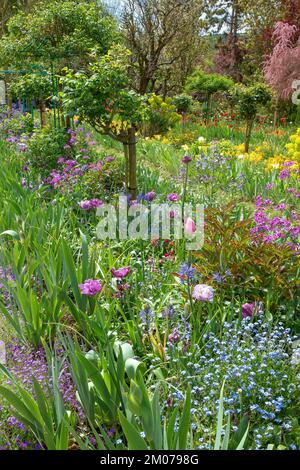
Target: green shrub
44,148
160,115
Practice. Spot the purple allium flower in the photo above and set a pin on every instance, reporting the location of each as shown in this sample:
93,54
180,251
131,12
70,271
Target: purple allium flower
109,158
172,197
203,292
120,273
186,159
248,310
90,287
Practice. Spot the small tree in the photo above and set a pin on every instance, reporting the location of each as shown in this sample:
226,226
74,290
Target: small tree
209,84
248,100
183,104
101,96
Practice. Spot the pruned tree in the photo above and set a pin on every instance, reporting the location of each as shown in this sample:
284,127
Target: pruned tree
101,96
248,101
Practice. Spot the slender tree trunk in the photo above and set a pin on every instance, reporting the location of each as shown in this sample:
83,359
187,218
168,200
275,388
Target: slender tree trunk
276,113
125,148
249,127
132,183
68,121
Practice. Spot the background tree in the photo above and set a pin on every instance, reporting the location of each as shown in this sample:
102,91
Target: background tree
248,101
160,34
9,9
56,33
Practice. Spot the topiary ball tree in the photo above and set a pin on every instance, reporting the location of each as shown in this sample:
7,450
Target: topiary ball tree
208,83
248,101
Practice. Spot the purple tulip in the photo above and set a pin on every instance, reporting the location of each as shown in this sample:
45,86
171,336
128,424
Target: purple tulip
90,287
248,310
120,273
150,196
186,159
172,197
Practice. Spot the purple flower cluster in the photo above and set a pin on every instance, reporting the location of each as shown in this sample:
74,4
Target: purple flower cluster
90,204
25,363
276,223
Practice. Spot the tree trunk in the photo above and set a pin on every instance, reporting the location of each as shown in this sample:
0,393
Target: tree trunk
249,126
276,113
132,180
125,148
68,121
42,109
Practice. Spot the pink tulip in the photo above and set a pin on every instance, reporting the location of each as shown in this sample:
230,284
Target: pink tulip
189,226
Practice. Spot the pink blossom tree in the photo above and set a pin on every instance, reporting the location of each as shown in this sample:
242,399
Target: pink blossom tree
282,67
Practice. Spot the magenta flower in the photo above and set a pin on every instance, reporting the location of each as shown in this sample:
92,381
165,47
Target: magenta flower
203,292
90,204
172,197
120,273
90,287
248,310
186,159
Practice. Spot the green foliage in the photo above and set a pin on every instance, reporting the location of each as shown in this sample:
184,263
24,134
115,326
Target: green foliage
16,124
31,86
229,246
183,103
249,100
102,96
44,414
44,148
58,31
201,82
160,115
